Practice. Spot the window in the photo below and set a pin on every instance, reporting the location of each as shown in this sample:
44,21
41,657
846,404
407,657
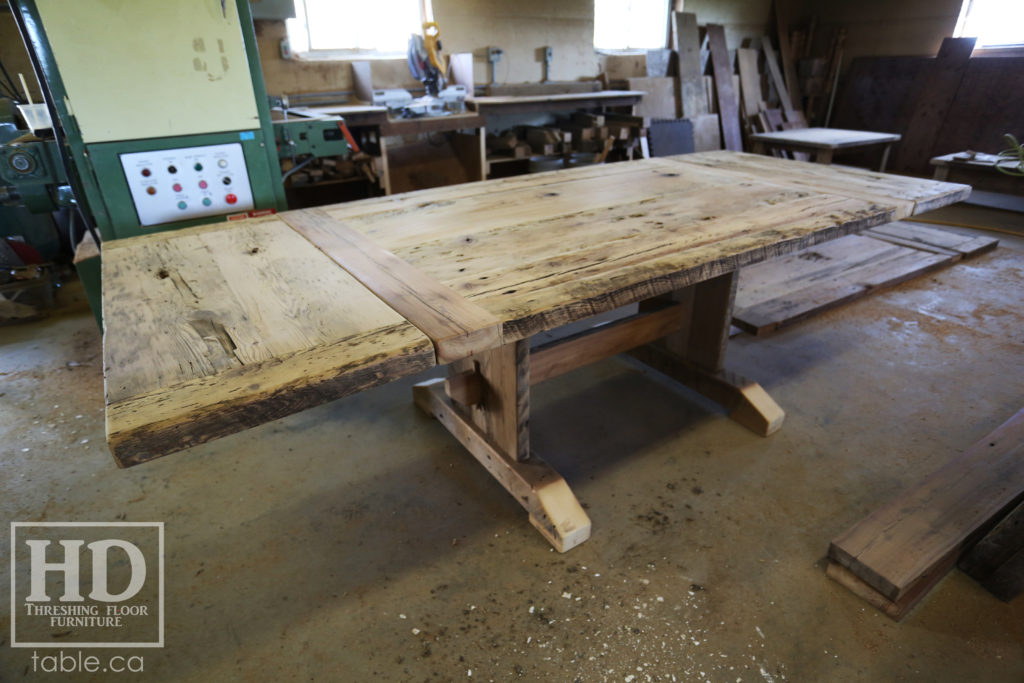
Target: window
996,23
630,24
343,27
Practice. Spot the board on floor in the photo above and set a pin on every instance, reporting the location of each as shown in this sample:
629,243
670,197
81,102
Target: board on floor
784,291
895,555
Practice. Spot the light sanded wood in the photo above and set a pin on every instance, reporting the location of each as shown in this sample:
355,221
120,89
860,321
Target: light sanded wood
457,327
589,346
211,331
926,526
787,290
660,100
823,138
706,135
552,507
909,196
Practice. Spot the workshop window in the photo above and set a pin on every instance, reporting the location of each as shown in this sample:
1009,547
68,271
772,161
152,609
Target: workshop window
995,23
333,28
630,24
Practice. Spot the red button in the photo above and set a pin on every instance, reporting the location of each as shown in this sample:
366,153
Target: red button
231,199
146,173
150,190
202,184
177,187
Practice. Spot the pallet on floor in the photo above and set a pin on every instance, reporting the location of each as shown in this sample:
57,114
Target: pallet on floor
790,289
896,555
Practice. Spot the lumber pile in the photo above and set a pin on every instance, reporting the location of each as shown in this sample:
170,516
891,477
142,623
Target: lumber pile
896,555
612,137
784,291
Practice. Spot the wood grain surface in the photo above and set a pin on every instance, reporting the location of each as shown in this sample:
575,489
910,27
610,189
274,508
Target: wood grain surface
217,328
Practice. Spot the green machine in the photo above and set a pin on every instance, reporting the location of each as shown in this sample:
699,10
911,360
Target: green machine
160,118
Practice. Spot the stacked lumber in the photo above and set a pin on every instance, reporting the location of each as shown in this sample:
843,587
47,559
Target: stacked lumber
613,137
784,291
896,555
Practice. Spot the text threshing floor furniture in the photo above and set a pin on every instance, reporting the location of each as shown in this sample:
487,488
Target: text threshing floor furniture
214,329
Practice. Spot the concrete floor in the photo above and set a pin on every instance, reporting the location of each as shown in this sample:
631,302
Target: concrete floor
357,541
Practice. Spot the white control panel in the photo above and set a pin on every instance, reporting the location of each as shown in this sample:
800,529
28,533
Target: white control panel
169,185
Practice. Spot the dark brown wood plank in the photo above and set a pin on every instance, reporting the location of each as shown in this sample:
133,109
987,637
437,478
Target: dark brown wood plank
728,107
930,523
940,84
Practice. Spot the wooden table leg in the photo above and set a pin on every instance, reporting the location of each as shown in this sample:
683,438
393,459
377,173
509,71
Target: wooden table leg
885,157
823,156
695,354
493,425
759,148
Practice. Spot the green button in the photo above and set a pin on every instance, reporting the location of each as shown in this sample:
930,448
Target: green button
206,201
182,205
198,166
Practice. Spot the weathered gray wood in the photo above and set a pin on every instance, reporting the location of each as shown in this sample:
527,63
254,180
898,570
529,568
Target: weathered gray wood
728,105
901,543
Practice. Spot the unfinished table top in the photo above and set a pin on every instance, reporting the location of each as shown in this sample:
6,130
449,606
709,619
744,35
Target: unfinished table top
215,329
824,138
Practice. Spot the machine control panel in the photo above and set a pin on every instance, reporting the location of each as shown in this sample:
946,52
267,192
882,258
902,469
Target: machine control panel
170,185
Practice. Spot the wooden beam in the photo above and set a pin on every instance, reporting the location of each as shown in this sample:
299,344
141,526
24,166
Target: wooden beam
553,509
776,75
728,107
597,343
689,74
750,82
928,525
465,388
457,327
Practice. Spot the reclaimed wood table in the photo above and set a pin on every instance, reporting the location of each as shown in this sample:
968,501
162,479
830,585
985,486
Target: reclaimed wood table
214,329
823,142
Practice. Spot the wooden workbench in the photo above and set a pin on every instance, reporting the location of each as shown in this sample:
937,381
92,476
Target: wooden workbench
214,329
